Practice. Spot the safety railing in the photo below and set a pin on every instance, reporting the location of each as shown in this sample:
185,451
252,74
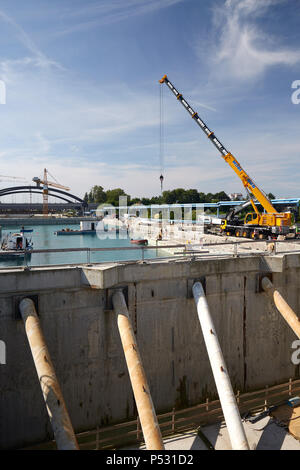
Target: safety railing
160,251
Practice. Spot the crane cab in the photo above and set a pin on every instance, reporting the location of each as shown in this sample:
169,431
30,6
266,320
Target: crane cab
251,218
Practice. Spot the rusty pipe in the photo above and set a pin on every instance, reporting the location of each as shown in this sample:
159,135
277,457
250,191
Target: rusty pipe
282,306
144,404
55,404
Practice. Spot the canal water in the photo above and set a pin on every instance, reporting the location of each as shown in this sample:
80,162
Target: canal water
44,237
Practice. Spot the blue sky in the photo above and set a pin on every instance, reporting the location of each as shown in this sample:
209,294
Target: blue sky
82,92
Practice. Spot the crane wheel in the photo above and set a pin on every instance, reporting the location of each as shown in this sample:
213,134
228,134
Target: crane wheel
261,236
245,234
237,233
253,236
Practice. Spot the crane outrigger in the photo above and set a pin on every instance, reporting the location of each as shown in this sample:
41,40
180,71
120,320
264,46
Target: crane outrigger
255,224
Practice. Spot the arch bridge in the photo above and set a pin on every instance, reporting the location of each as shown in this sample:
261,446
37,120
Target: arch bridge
69,200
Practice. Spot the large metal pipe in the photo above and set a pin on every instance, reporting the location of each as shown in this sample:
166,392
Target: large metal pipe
144,404
228,402
55,404
283,307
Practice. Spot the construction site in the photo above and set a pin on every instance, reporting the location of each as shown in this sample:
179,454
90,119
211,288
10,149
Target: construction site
152,352
193,349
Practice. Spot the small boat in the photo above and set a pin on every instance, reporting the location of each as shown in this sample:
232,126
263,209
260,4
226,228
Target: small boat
86,227
68,231
26,230
74,232
139,242
15,245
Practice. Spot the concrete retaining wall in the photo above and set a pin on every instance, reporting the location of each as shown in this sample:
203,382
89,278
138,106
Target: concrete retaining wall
74,306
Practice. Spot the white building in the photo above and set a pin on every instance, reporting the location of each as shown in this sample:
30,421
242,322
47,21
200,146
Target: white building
236,196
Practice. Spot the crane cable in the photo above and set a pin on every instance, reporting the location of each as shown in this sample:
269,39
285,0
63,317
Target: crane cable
161,138
52,177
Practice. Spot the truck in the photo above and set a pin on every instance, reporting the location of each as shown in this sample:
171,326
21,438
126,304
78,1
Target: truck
270,223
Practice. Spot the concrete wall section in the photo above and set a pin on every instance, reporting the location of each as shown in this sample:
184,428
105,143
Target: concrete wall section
85,348
74,305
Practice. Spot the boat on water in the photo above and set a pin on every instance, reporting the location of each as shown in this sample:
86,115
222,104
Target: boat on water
86,227
139,242
15,245
74,232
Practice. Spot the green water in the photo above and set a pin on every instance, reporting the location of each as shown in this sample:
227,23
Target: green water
43,237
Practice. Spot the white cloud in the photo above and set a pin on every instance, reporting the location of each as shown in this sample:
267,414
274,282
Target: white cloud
243,49
88,134
37,56
50,120
110,11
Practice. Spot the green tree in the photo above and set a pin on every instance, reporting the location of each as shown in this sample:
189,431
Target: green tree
156,200
209,197
135,201
221,196
146,201
177,195
113,196
192,196
100,195
97,194
167,197
202,197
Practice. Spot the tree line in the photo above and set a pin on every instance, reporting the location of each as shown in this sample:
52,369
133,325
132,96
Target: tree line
179,195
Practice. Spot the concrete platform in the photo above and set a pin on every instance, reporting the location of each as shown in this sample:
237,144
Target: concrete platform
263,435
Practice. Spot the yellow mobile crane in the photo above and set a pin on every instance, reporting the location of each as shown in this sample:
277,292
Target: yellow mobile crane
255,224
